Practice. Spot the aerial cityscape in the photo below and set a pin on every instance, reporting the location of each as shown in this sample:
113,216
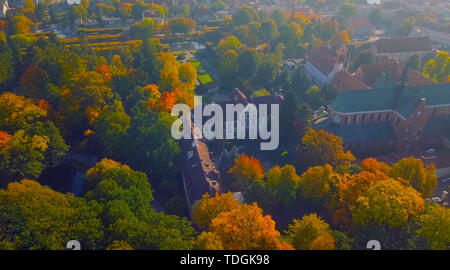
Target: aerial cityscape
224,125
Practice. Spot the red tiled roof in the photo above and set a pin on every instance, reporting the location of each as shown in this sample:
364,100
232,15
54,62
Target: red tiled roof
345,81
357,23
409,44
322,60
436,27
370,73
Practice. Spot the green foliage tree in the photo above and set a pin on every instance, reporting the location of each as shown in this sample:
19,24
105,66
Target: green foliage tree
282,182
348,9
376,17
435,226
228,66
128,215
36,217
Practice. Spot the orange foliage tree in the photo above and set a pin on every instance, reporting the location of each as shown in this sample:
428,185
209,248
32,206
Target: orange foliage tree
325,148
245,171
246,228
206,209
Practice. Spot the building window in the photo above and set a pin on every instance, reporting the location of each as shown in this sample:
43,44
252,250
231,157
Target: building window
349,119
336,119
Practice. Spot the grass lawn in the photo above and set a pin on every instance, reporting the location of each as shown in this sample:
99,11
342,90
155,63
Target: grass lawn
205,78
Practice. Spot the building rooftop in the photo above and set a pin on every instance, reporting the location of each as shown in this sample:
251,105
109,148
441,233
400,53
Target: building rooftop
409,44
346,81
435,27
322,59
359,132
386,94
369,73
358,23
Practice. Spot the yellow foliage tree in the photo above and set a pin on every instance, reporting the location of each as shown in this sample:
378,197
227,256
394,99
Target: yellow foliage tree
435,226
316,183
311,232
388,202
208,241
422,178
325,148
206,209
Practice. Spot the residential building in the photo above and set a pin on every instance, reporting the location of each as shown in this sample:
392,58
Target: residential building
4,7
438,33
400,49
292,65
199,173
324,63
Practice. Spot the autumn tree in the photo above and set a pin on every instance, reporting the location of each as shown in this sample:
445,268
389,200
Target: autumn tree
310,233
435,226
313,94
126,195
119,245
322,147
36,217
208,208
208,241
188,75
18,112
282,183
6,60
352,187
317,183
56,146
422,178
21,24
348,9
112,126
181,25
22,157
230,43
438,69
388,202
373,165
228,65
342,37
279,16
245,171
291,37
269,31
246,228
